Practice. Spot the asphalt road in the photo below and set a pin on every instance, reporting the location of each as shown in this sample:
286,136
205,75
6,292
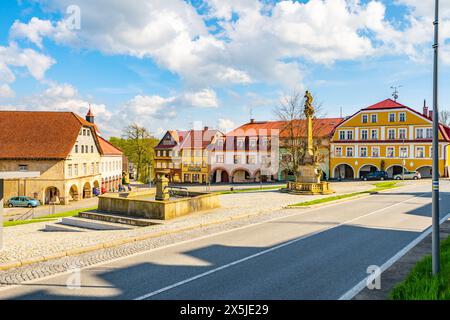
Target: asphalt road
312,254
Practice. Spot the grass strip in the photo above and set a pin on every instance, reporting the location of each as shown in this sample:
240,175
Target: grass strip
380,186
50,217
420,284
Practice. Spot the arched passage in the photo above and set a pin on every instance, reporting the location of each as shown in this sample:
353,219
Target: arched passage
257,176
220,175
240,175
344,171
364,170
73,193
394,170
52,195
425,171
87,192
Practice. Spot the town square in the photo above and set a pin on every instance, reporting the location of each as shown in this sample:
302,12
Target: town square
224,151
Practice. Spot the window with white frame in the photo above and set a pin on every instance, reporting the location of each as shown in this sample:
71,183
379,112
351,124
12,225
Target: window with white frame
402,117
251,159
237,159
338,151
240,143
69,170
391,134
374,134
374,118
264,141
365,118
390,152
402,133
349,135
364,134
342,135
220,142
363,152
403,152
391,117
75,169
375,152
429,133
419,133
349,152
252,143
420,152
219,158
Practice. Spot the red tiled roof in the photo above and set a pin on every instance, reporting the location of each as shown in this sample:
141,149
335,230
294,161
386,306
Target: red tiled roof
108,149
385,104
38,134
198,138
322,127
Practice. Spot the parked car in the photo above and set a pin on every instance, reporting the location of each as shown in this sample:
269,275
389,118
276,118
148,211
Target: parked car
23,202
414,175
375,175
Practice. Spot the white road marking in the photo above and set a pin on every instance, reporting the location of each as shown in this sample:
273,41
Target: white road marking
362,284
204,274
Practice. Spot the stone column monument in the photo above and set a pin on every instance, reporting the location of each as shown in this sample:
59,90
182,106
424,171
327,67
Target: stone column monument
309,172
162,182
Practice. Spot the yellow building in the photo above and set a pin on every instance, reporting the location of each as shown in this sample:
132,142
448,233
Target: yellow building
185,155
387,136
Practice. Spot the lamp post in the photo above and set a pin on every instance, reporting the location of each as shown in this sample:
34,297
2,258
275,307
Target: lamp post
435,185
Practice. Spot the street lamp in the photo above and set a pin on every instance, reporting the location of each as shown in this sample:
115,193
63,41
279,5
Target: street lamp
435,185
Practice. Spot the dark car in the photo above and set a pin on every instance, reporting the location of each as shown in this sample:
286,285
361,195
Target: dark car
375,175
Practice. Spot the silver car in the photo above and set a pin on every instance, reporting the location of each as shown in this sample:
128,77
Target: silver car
408,175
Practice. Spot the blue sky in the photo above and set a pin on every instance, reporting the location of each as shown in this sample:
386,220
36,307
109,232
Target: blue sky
175,64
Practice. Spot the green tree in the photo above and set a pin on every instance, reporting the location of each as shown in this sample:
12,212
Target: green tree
137,144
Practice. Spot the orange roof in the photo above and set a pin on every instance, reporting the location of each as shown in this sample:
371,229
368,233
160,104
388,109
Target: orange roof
108,149
39,134
322,127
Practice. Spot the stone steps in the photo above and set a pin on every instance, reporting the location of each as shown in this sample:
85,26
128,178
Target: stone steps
58,227
118,219
93,224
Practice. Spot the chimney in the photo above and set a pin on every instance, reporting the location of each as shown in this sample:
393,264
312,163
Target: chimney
425,108
252,120
205,128
430,114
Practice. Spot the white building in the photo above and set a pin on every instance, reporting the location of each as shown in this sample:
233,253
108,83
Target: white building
110,165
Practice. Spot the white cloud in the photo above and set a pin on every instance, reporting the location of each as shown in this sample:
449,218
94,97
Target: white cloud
6,91
36,63
34,30
205,98
252,45
225,125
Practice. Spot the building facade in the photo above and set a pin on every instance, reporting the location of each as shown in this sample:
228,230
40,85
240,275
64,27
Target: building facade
62,146
111,166
387,136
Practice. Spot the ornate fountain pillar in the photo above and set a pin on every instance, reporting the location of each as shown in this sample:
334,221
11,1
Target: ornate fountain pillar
162,182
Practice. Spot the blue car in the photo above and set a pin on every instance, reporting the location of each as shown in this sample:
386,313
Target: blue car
23,202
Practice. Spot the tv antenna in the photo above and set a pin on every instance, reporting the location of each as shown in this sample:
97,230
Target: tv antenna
395,93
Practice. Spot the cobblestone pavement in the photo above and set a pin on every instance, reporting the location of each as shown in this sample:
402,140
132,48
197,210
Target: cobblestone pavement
28,241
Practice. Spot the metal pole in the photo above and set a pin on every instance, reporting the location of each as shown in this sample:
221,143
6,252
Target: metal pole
435,192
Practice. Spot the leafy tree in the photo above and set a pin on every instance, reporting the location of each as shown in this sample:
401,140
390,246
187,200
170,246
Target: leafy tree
137,144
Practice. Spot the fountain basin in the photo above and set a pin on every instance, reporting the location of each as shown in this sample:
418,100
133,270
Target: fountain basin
142,205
